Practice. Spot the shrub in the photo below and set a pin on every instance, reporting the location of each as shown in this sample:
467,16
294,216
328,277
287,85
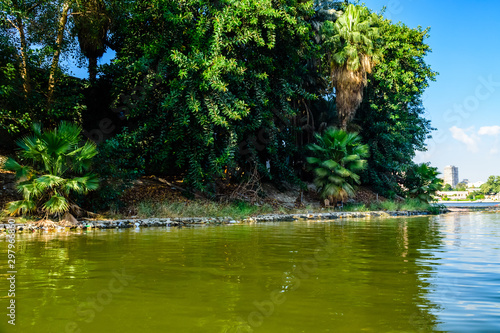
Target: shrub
422,182
118,164
337,158
57,168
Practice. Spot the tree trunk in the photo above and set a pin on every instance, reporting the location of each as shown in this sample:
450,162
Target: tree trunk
57,53
92,69
19,26
24,59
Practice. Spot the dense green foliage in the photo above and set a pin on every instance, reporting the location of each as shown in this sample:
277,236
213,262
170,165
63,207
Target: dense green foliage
422,182
118,164
56,168
32,41
391,116
218,78
12,118
338,157
210,91
492,186
476,195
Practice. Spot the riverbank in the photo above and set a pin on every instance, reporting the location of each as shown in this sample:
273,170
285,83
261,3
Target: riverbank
89,224
166,202
486,201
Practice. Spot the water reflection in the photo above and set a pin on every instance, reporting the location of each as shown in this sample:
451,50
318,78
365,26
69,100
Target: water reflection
395,275
467,283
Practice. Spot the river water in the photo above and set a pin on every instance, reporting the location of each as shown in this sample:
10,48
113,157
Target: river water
474,204
421,274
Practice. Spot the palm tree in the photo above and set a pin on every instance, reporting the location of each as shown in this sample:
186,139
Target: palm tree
353,52
58,166
92,24
422,182
338,157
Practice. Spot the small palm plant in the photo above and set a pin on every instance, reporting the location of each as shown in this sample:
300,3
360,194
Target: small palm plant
338,158
422,182
57,167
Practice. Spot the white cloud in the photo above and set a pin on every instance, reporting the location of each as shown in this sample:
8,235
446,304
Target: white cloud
422,156
489,130
461,135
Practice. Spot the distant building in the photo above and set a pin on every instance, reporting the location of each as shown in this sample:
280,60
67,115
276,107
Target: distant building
465,181
453,195
451,175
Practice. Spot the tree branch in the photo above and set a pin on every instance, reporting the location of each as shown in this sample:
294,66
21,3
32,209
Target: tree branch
12,24
32,7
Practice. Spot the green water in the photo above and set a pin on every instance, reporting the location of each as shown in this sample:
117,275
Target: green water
437,274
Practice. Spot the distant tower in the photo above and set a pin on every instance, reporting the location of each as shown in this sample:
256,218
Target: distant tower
451,175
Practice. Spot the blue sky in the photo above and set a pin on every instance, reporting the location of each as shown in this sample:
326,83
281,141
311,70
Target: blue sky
463,103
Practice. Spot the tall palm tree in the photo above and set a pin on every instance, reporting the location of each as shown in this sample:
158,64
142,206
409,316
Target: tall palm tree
92,23
58,166
353,51
338,158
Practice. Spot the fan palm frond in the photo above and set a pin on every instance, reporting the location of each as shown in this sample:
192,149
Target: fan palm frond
57,160
49,181
23,173
31,189
56,204
422,182
338,156
21,207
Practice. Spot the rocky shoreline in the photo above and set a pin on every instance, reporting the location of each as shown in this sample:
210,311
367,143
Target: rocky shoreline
89,224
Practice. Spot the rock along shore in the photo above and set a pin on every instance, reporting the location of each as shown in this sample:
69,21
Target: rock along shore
194,221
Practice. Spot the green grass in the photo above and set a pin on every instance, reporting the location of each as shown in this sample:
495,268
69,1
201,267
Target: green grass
388,205
237,210
413,205
407,205
355,208
4,218
241,210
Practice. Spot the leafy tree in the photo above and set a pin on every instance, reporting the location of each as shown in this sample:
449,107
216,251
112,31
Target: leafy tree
422,182
209,87
35,39
117,164
14,15
44,24
461,187
57,168
12,117
476,195
338,157
447,187
390,119
352,42
492,186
